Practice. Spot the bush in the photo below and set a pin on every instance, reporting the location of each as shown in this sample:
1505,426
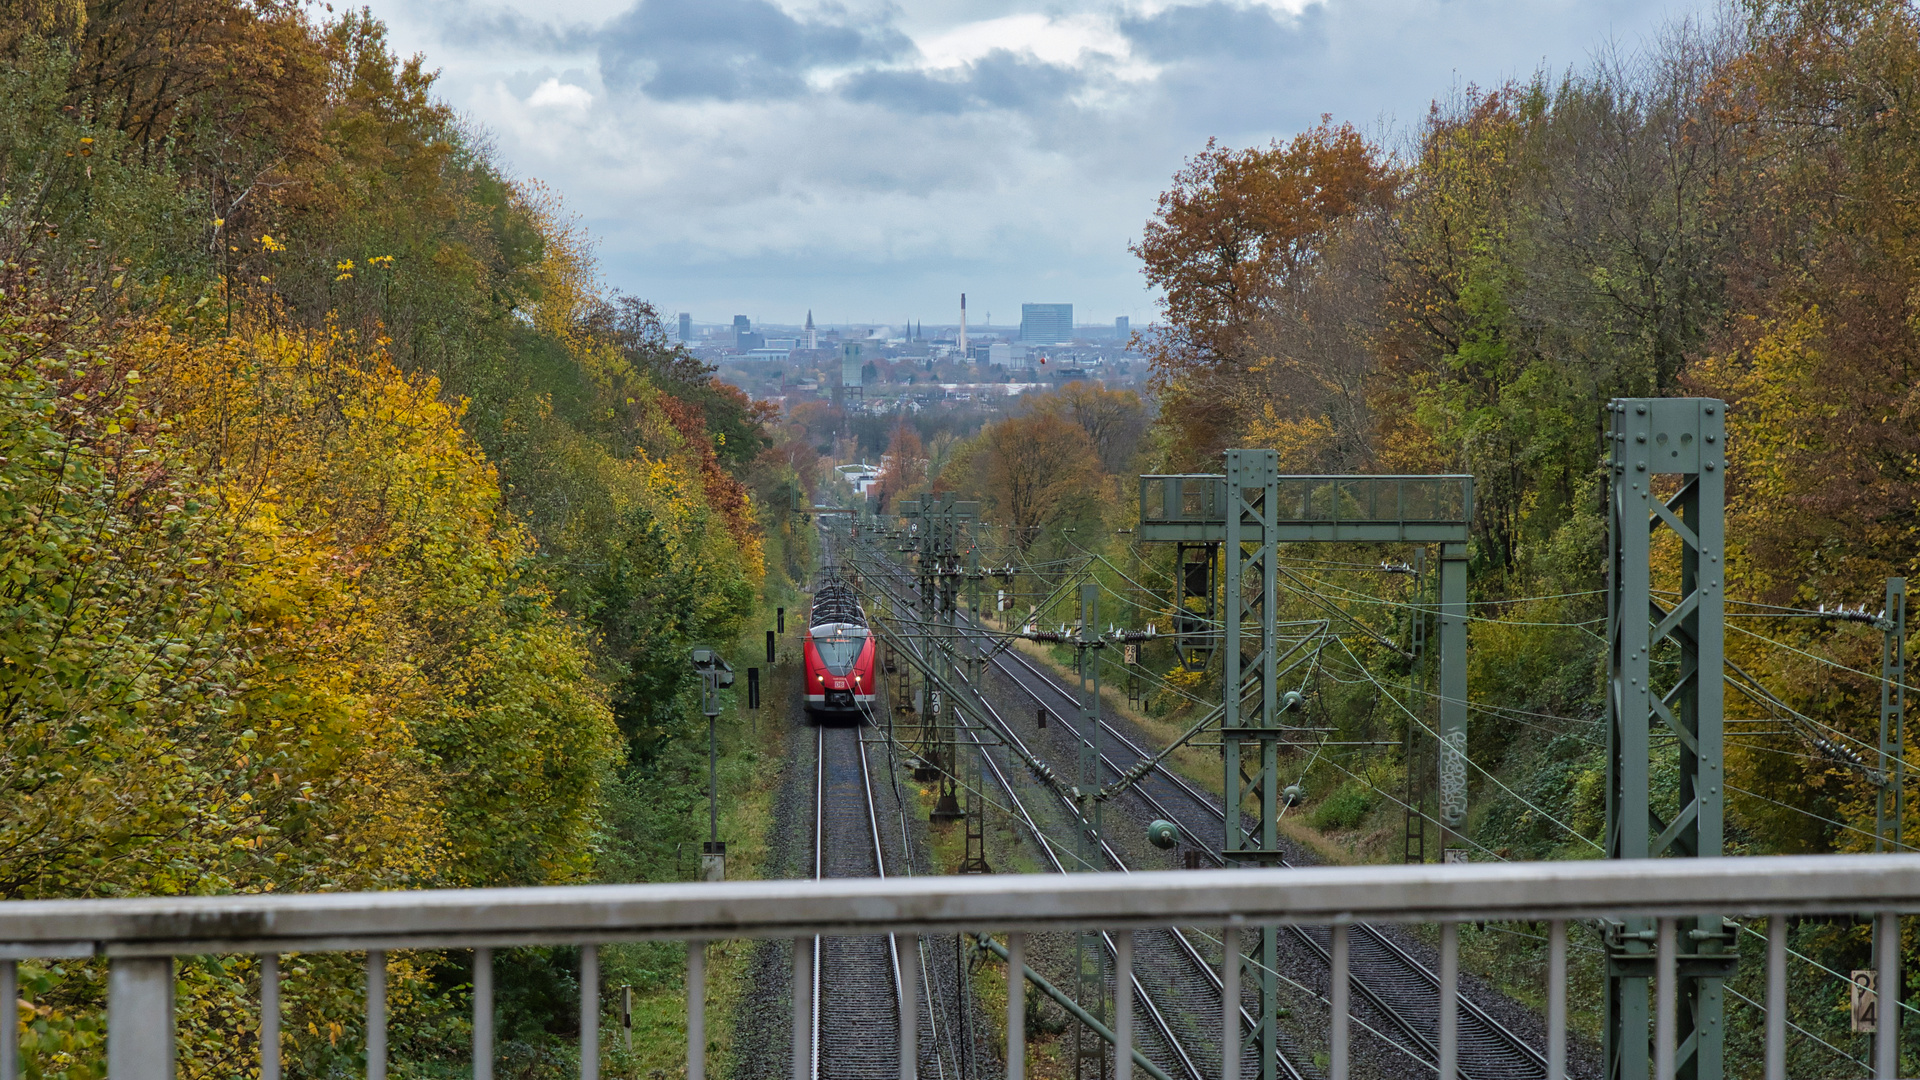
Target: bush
1343,809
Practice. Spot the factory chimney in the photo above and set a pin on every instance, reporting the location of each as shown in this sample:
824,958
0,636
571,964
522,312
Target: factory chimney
963,326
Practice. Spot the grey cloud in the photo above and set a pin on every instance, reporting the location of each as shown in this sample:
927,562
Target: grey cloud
895,189
731,50
1220,29
459,23
998,80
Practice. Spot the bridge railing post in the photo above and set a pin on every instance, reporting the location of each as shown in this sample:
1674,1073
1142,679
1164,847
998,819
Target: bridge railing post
140,1018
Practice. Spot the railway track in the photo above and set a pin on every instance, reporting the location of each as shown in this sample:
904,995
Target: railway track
1396,984
859,984
1386,977
1182,1010
857,981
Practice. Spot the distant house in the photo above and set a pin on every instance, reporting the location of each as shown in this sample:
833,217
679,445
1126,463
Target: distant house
861,476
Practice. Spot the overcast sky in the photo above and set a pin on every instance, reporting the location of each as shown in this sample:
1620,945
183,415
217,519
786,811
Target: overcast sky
871,161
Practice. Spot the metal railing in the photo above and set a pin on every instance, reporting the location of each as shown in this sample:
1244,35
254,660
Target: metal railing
141,937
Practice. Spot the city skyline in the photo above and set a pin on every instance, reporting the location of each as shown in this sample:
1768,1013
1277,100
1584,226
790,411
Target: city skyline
809,315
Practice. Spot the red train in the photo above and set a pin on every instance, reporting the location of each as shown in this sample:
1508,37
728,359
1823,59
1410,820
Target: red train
839,655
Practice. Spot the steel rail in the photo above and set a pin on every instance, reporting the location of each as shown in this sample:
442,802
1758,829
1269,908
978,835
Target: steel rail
1185,946
1472,1011
1161,1024
926,989
1397,954
872,830
1366,934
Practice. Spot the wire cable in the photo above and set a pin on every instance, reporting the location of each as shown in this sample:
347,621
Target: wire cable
1819,659
1361,598
1763,1009
1814,816
1522,800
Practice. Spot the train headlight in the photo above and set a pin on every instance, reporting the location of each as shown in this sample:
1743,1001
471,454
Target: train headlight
822,678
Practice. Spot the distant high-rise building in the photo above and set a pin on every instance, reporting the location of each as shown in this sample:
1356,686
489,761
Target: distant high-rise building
1046,324
1122,329
742,326
850,365
686,327
813,342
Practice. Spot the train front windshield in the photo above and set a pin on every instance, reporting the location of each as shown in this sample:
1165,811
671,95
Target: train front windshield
838,650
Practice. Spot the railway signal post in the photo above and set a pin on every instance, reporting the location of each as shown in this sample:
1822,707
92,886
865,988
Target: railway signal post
1679,443
715,673
1249,511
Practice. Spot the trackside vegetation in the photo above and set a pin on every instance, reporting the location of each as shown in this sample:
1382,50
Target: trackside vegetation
352,533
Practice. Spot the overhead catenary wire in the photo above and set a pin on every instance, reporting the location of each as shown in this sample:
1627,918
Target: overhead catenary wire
1762,1009
1500,602
1475,706
958,780
1751,688
1773,609
1482,770
1361,598
1835,664
1390,797
997,726
1817,817
1368,676
1322,998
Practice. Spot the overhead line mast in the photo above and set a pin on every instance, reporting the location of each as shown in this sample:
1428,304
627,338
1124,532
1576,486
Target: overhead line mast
1685,439
1249,511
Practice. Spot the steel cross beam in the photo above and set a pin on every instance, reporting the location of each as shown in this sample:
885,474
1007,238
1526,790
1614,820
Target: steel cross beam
1250,511
1670,534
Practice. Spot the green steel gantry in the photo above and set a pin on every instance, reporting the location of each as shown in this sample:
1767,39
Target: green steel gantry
1250,511
1666,523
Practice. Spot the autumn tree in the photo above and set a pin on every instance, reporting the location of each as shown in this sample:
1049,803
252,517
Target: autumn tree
905,468
356,530
1234,238
1114,420
1029,472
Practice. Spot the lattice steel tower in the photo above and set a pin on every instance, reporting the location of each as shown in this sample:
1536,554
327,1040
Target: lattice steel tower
1666,523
